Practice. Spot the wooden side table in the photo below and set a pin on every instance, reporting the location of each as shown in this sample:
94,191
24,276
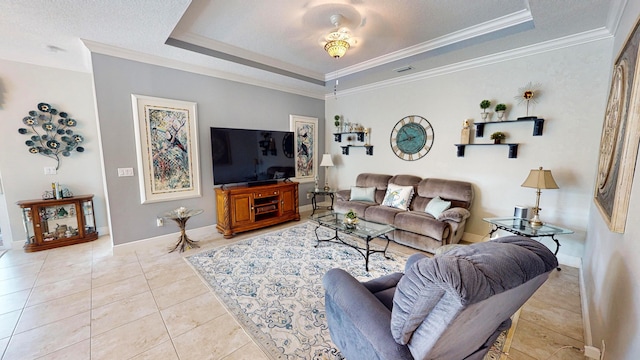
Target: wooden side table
314,193
181,216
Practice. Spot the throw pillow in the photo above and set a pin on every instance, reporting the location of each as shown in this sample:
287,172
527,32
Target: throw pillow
363,194
398,196
436,206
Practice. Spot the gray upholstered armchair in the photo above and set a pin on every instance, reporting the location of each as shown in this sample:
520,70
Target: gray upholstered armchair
452,306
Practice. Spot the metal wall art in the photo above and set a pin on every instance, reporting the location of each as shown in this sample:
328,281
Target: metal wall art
51,137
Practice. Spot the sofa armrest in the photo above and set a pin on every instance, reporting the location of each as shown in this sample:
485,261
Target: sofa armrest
343,195
359,324
456,214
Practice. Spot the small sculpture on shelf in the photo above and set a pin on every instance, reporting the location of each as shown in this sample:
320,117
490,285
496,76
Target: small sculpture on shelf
500,109
484,105
465,133
528,94
336,122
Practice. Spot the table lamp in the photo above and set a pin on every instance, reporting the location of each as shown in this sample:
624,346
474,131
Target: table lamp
326,162
539,179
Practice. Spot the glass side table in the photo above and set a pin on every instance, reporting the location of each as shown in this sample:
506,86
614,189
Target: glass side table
316,192
522,227
181,216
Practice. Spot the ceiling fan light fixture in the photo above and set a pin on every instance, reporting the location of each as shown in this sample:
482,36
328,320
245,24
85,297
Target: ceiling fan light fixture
336,48
338,40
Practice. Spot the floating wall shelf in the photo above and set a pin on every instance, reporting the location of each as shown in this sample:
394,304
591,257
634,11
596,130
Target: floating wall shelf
368,149
513,149
538,124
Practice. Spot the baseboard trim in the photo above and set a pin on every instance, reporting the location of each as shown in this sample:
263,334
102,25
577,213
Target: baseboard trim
586,320
192,233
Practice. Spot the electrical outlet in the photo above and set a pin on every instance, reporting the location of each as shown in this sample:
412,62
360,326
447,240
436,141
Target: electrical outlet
49,170
308,196
125,172
592,352
159,222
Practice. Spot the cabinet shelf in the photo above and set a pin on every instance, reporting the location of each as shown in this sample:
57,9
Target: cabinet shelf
368,149
513,149
538,125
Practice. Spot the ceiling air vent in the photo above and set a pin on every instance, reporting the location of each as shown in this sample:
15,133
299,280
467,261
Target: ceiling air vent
403,69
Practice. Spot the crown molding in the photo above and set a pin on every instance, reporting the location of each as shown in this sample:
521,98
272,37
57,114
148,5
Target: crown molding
104,49
546,46
488,27
616,9
218,46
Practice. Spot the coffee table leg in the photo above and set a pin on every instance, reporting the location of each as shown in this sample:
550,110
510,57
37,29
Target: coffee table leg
553,237
366,257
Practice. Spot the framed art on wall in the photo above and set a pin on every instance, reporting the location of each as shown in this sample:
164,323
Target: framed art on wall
305,147
620,137
166,134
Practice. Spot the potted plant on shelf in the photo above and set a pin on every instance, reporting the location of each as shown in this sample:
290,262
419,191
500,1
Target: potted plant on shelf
497,137
484,105
500,109
336,122
350,219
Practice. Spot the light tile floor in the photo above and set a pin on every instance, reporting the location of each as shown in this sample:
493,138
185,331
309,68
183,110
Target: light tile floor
93,301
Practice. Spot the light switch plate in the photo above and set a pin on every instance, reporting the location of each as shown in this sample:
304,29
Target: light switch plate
125,172
49,170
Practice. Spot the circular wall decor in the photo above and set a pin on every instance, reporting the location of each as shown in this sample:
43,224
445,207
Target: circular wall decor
411,138
287,145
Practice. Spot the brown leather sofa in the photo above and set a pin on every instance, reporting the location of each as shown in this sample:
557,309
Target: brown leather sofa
415,227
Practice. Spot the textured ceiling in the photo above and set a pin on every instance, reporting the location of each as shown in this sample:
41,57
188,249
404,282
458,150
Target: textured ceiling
280,41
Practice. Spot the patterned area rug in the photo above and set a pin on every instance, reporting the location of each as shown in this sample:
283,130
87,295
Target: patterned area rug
272,284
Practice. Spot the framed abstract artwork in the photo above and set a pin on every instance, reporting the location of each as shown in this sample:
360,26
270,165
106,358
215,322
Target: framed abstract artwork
620,137
305,147
166,134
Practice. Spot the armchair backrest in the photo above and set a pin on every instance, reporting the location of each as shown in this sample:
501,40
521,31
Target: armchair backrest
449,305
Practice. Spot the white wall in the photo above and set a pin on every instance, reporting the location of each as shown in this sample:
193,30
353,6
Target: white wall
610,264
22,87
572,99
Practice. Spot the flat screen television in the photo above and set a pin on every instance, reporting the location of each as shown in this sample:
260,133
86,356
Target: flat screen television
254,157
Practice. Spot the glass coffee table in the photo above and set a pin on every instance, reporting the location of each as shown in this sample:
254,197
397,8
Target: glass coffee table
365,230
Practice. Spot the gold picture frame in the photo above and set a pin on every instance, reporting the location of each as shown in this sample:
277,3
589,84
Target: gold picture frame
166,133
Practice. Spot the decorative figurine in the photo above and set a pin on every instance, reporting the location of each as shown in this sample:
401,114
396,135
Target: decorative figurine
465,133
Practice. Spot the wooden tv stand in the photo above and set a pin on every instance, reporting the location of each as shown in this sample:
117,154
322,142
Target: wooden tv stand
244,208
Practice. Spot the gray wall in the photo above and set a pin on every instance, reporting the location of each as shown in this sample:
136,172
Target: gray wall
220,103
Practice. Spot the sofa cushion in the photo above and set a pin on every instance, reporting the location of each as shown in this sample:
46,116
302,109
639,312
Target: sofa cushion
398,196
379,181
460,193
421,223
363,193
381,214
437,206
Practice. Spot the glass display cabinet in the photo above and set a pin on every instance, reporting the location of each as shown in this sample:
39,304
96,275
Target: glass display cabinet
58,222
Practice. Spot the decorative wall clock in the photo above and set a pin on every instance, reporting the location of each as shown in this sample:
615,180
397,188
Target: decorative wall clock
287,145
411,138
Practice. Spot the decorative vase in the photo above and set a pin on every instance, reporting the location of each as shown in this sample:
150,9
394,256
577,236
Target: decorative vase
497,141
500,115
350,223
485,116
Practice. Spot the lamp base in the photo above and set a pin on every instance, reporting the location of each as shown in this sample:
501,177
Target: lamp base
535,221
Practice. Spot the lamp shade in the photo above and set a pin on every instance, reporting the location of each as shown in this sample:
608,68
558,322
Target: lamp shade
326,160
540,179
